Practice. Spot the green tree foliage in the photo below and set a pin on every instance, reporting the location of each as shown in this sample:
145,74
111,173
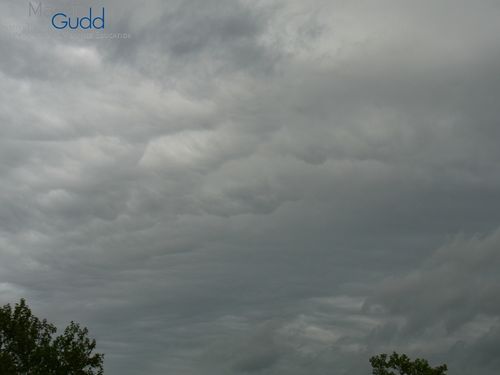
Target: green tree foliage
27,346
400,364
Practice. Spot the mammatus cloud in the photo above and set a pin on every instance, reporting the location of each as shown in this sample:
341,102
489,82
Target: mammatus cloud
258,187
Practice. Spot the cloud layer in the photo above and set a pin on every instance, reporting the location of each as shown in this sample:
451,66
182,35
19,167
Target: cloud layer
258,187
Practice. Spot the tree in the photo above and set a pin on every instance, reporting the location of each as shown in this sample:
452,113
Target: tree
402,365
27,346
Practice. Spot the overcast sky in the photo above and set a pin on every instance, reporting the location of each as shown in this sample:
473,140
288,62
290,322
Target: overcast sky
257,187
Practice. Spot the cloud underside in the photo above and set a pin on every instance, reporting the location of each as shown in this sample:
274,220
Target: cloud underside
258,187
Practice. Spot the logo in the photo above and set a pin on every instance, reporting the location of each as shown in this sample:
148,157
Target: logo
62,21
72,17
65,19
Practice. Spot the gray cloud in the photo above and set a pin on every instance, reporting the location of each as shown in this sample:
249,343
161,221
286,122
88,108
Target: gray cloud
450,301
257,187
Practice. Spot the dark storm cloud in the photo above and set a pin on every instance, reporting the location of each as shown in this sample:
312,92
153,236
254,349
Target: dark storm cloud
258,187
459,273
450,301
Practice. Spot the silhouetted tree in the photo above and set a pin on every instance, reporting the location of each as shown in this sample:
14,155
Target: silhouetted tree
400,364
27,346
